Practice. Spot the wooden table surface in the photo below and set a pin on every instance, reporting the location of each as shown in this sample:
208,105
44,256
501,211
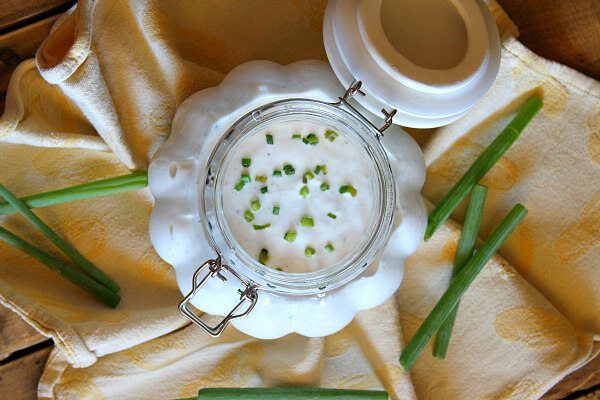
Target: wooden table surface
567,31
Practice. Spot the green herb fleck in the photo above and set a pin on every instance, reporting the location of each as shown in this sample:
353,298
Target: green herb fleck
296,136
249,216
261,227
307,177
246,178
288,169
255,204
317,169
330,135
309,251
246,162
263,256
275,210
351,190
264,189
331,215
290,236
240,185
329,248
304,191
324,186
260,178
307,221
311,139
277,173
279,269
269,139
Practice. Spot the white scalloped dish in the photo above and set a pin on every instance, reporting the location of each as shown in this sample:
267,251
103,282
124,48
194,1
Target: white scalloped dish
189,230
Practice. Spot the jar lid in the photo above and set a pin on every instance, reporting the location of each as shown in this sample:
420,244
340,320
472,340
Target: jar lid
431,60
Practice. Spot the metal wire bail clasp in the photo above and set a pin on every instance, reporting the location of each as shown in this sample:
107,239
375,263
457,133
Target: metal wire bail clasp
352,91
215,267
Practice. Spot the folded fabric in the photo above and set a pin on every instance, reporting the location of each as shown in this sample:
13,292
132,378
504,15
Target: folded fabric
100,100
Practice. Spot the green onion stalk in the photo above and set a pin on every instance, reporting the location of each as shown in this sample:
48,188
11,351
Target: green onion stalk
103,187
464,251
59,242
459,285
90,278
290,393
80,279
482,165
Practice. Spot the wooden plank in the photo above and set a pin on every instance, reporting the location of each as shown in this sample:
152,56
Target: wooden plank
15,334
19,45
19,378
567,31
584,378
15,12
593,395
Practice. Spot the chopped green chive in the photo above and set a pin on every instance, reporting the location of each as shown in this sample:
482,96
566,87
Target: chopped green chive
269,139
351,190
329,248
264,189
279,269
330,135
246,162
277,173
304,191
305,140
307,221
276,210
240,185
260,178
290,236
288,169
311,139
324,186
261,227
255,204
249,216
309,252
263,256
331,215
321,168
246,178
307,177
296,136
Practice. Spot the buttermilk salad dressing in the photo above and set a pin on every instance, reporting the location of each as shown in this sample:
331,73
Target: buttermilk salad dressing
298,196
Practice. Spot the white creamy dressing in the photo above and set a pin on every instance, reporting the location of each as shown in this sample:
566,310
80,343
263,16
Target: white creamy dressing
346,164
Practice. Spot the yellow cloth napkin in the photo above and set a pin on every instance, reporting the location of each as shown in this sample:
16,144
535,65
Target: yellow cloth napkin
108,81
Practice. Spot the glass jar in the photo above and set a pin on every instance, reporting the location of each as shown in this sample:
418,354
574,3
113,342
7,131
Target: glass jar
189,228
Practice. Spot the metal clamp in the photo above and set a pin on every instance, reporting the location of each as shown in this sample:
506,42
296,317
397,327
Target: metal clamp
352,91
249,294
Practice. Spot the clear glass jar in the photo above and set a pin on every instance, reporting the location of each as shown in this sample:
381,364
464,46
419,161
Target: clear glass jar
188,227
187,180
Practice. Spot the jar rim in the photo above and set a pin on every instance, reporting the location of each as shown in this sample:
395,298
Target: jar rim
336,115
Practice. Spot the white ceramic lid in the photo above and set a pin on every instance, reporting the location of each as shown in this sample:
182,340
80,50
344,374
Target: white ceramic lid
431,60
